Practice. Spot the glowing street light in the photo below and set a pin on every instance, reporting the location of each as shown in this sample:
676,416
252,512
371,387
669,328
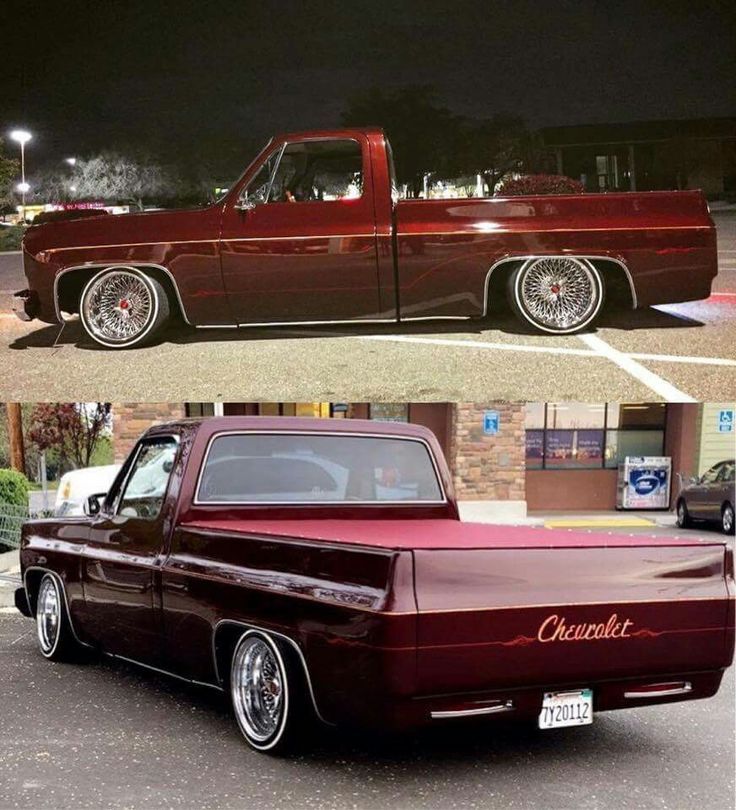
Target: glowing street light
22,137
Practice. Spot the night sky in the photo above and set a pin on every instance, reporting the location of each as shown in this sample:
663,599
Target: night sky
186,78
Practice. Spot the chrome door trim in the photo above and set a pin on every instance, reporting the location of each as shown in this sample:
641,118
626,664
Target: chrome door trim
269,633
163,671
507,259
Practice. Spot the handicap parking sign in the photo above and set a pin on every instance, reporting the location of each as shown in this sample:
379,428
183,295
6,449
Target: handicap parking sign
491,422
725,421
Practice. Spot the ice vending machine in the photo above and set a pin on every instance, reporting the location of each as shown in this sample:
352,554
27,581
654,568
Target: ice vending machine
644,482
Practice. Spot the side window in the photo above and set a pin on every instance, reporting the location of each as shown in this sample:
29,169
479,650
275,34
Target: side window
710,476
144,491
323,171
257,190
726,475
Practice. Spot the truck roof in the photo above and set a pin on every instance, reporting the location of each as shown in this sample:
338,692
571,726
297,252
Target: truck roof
299,424
342,132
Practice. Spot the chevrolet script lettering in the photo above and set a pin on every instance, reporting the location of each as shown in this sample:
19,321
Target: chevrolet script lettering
555,628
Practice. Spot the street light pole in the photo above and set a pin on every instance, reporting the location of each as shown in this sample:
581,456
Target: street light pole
22,137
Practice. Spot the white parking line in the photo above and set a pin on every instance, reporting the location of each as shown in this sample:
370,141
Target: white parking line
598,348
660,386
478,344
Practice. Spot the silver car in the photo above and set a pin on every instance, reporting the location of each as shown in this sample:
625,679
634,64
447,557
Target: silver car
710,497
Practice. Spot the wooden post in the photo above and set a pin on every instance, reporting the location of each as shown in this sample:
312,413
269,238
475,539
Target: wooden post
15,437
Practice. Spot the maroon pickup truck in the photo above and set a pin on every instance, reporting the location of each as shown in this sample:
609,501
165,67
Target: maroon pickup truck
314,232
316,568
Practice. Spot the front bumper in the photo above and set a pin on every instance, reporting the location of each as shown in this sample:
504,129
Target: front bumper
26,304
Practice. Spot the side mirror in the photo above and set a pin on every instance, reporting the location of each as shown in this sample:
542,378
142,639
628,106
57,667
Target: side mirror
245,205
93,504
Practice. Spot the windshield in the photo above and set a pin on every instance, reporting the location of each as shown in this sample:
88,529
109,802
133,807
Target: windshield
294,468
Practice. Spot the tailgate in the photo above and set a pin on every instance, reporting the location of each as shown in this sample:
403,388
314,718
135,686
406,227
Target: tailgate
495,618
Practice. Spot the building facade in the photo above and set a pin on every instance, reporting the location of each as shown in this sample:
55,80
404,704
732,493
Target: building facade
649,155
512,457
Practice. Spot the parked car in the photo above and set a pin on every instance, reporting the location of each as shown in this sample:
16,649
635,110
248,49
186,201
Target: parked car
314,232
76,486
710,497
314,567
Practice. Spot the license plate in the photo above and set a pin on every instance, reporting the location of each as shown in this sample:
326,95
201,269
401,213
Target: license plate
560,709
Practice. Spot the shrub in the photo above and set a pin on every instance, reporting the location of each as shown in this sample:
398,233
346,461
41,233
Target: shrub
531,184
10,238
13,488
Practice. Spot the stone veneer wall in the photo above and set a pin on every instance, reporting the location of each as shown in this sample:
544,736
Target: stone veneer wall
488,468
130,419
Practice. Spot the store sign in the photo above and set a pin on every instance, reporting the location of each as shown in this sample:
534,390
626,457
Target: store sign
491,423
725,421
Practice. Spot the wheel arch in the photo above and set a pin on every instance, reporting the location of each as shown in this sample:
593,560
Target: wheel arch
228,632
70,282
32,577
616,277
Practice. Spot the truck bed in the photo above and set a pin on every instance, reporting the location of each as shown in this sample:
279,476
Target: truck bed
440,534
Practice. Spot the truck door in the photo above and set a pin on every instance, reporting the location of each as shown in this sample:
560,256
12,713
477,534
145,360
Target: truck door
298,243
124,554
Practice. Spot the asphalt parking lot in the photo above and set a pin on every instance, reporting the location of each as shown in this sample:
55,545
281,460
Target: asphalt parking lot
105,734
674,352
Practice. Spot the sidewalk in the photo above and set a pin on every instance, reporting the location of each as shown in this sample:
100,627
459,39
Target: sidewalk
606,520
9,578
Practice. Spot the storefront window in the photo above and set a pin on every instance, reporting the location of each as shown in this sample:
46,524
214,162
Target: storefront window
576,435
622,443
575,415
389,411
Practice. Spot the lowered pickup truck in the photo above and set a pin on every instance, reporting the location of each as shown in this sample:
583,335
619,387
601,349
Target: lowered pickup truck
311,567
314,232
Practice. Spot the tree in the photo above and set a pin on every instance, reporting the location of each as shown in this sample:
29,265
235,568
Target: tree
9,170
74,430
114,177
421,132
493,148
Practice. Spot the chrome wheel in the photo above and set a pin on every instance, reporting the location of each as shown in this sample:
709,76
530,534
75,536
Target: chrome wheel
681,514
559,293
727,519
259,690
118,307
48,615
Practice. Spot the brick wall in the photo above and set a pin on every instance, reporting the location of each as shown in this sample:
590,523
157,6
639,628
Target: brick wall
130,419
488,468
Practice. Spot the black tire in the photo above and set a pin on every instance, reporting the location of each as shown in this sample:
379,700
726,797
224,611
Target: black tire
284,681
727,518
536,292
150,305
684,521
62,646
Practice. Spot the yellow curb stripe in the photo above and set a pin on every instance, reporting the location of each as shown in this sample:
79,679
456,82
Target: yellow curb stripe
597,523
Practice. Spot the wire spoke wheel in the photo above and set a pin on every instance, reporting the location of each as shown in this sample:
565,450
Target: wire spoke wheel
559,293
118,307
48,615
259,690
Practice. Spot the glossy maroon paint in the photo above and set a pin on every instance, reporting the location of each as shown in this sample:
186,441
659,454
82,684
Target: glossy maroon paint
398,611
334,261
